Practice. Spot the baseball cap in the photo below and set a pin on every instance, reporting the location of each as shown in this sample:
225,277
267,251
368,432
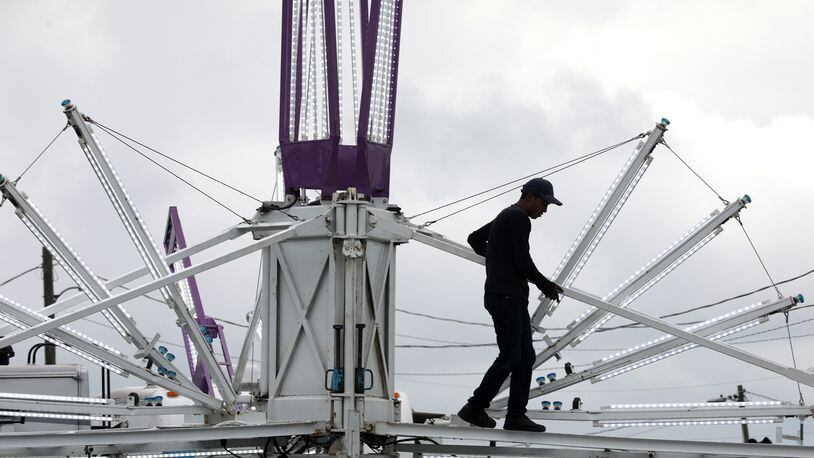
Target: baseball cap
541,188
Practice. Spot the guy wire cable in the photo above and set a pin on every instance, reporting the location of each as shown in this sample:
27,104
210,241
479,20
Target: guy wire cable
111,132
41,153
168,157
245,220
574,160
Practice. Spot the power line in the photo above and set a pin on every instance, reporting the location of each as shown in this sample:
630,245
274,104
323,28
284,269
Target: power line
454,320
768,330
693,309
637,389
448,344
428,339
20,275
629,325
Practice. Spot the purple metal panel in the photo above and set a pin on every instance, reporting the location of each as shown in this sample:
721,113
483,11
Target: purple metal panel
180,244
394,72
309,164
378,168
325,164
285,72
225,349
174,240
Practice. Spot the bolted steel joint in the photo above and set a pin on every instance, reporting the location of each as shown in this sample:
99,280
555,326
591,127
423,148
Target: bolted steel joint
353,248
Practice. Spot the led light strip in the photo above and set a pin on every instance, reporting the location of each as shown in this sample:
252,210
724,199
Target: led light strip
628,300
139,221
742,421
40,316
646,267
39,233
694,327
213,452
675,351
65,346
49,397
58,416
183,286
681,405
595,214
608,221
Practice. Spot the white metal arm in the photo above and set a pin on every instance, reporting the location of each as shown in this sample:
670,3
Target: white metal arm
146,246
601,219
657,323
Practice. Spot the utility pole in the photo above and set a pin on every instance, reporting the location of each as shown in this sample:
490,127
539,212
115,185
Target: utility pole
48,297
744,426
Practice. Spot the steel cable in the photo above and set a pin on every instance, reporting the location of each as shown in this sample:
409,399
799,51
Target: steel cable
116,136
565,165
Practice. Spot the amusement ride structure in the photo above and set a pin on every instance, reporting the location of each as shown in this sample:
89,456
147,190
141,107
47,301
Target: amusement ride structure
325,314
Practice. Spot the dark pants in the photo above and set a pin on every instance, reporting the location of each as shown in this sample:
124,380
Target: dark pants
513,330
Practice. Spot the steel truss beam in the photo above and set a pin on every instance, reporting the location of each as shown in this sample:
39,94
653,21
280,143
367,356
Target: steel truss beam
653,271
71,301
657,268
477,450
80,273
601,219
660,414
116,441
600,443
147,249
406,231
661,325
96,409
312,227
657,347
113,359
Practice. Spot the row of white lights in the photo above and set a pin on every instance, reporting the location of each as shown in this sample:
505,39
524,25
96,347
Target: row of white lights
213,452
645,268
42,317
675,351
50,397
681,405
592,220
65,346
597,238
745,421
39,233
692,328
57,416
608,221
628,300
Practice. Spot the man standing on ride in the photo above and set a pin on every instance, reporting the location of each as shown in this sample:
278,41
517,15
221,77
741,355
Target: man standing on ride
509,268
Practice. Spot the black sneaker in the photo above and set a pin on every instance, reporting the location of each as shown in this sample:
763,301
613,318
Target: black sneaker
476,417
522,423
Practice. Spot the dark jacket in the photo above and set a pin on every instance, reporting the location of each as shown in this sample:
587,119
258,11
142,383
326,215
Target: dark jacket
505,243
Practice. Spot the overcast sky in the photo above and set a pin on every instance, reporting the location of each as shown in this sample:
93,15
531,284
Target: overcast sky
488,92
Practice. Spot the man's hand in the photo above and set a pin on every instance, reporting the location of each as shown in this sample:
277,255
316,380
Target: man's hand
551,290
